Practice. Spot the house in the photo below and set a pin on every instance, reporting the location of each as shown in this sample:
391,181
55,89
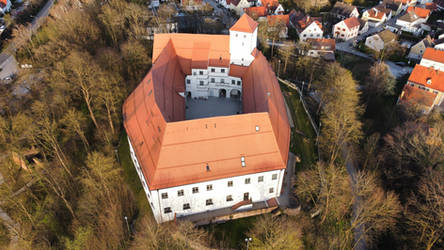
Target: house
256,11
237,5
273,6
346,29
406,3
343,11
393,6
207,127
5,6
363,26
375,16
433,58
439,43
380,40
417,50
274,20
425,88
321,47
308,27
413,19
192,4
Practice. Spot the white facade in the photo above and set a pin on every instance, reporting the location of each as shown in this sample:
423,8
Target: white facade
172,202
342,31
311,31
434,64
412,27
242,45
213,81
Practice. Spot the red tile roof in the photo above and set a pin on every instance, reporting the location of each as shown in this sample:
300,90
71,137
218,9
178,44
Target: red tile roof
306,21
258,11
273,19
173,151
245,24
376,14
270,3
434,55
352,22
427,77
418,96
422,13
322,43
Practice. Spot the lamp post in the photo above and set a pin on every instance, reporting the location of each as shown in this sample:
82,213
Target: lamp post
279,67
127,225
248,240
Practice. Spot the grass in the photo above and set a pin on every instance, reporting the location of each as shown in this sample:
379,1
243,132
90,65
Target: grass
131,177
303,136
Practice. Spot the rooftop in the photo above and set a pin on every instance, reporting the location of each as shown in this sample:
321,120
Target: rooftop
352,22
427,77
342,9
418,96
434,55
244,24
420,12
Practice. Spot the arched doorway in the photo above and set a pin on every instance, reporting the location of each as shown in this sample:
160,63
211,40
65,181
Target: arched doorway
222,93
235,94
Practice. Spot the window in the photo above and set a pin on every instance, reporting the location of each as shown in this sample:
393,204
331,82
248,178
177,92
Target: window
209,187
201,72
164,195
186,206
233,82
238,83
229,198
213,69
271,190
188,81
260,179
195,190
304,35
167,210
230,183
212,80
194,73
274,176
247,180
222,80
209,202
245,36
180,192
201,83
222,70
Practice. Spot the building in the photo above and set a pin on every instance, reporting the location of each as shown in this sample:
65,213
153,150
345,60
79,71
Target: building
343,11
439,43
413,20
228,152
363,26
256,12
425,86
274,21
5,6
417,50
380,40
237,5
308,27
375,17
324,48
273,6
347,29
394,6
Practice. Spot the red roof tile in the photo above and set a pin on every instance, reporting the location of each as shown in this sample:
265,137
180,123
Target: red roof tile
352,22
428,77
172,151
258,11
434,55
273,19
245,24
306,21
418,96
423,13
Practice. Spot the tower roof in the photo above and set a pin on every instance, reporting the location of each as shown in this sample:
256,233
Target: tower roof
244,24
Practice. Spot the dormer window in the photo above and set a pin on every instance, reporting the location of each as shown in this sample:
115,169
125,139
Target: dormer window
429,80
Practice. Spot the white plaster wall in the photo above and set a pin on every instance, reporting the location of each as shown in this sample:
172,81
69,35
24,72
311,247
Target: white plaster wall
312,31
211,87
429,63
242,45
373,43
258,191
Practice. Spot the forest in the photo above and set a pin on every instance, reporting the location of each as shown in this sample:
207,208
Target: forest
63,186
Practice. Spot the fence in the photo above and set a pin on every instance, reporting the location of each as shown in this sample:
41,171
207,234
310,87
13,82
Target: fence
293,86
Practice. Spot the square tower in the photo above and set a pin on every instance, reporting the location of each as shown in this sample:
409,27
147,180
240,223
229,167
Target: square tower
243,40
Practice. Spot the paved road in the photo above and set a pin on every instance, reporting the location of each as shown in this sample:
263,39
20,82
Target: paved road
8,64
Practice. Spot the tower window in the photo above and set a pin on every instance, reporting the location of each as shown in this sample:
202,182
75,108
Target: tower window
222,70
167,210
209,187
195,190
230,183
209,202
180,192
200,72
164,195
186,206
229,198
188,81
260,179
247,180
271,190
274,176
213,70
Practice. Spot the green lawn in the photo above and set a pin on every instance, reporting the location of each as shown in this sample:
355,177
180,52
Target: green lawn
303,136
131,177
